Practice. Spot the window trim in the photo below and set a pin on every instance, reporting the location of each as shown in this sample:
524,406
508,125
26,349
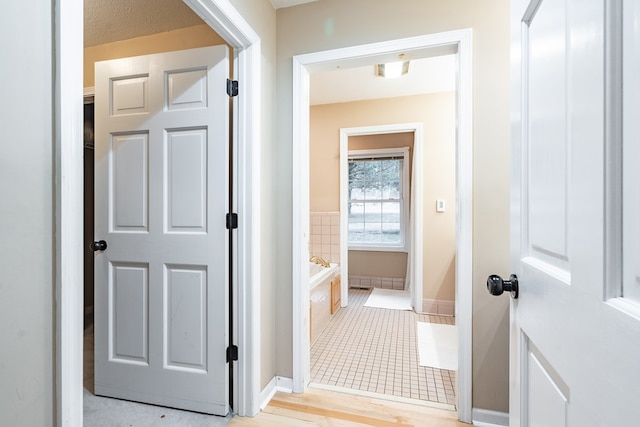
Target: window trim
374,153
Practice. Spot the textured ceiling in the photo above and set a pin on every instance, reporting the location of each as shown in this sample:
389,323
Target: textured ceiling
106,21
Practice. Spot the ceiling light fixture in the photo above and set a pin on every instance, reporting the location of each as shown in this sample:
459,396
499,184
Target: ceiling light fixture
392,70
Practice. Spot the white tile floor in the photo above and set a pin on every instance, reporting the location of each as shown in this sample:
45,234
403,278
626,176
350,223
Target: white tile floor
106,412
374,350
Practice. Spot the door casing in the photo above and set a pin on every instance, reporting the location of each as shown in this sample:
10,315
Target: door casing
459,41
231,26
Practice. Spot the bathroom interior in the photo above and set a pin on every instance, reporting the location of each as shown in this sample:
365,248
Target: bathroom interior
363,349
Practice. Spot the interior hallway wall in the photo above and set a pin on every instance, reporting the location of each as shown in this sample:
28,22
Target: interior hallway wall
27,243
332,24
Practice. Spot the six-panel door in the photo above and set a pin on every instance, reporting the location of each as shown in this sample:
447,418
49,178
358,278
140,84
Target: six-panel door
161,302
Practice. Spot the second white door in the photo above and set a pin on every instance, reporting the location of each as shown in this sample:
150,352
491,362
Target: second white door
162,180
575,328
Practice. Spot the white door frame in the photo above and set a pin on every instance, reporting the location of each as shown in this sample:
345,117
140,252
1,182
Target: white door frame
415,252
305,64
231,26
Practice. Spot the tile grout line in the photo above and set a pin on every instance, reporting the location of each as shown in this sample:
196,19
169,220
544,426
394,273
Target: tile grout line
375,350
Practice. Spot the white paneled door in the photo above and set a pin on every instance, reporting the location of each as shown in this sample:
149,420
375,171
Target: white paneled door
161,191
575,328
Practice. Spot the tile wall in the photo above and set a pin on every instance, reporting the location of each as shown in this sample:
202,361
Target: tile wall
366,282
324,239
439,307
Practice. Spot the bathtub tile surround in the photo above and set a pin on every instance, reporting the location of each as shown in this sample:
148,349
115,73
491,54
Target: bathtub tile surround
324,240
366,282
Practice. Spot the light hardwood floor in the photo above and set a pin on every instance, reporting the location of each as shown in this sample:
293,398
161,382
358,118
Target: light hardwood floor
327,408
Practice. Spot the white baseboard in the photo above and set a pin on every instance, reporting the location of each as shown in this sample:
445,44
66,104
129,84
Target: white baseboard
267,393
284,384
487,418
276,384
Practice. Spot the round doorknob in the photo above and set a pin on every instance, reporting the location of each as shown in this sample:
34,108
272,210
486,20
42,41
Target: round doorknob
100,245
496,286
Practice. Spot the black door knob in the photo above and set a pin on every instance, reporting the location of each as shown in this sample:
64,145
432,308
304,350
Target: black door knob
496,286
100,245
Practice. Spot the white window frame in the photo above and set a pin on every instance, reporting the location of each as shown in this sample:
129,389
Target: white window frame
404,205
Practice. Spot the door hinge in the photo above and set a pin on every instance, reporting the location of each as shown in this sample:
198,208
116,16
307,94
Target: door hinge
232,88
232,221
232,353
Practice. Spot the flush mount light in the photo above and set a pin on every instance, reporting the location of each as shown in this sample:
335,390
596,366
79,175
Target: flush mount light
392,70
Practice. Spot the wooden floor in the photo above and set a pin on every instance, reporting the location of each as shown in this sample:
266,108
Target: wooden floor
327,408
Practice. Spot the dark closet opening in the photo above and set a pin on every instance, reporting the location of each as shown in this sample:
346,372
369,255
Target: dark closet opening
88,211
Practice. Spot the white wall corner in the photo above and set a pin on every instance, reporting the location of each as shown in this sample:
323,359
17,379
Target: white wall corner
487,418
267,393
284,384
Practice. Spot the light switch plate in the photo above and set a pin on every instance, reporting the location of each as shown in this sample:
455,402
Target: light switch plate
440,205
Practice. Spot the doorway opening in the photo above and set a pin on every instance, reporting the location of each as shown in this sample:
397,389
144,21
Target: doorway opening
227,22
377,342
130,310
458,43
88,238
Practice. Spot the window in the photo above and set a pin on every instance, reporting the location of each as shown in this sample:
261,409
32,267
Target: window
378,199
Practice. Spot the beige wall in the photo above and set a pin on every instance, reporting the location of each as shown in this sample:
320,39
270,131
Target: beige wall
378,264
325,122
331,24
184,38
437,114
